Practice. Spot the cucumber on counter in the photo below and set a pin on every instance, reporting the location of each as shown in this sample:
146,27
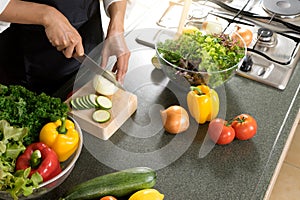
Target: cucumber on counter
117,184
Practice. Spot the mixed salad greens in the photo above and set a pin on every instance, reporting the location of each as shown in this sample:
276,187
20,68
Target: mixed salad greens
11,145
199,52
22,115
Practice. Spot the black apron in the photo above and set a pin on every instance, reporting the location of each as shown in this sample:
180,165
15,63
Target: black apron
27,58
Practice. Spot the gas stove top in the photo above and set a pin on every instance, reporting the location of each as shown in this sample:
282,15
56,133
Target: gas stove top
275,48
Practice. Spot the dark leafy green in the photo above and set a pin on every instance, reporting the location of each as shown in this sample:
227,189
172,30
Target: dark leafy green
24,108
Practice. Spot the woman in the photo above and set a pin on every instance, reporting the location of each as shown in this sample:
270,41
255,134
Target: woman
36,50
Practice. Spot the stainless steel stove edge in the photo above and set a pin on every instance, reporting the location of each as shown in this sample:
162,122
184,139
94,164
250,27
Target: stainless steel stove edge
277,83
268,73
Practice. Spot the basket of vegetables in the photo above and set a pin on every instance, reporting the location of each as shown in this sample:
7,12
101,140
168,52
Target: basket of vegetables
39,143
196,57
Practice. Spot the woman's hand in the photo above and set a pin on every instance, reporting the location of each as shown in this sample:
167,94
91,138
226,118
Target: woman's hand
60,32
115,43
63,35
116,46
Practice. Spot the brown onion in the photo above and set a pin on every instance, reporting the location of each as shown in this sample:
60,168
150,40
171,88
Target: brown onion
246,34
175,119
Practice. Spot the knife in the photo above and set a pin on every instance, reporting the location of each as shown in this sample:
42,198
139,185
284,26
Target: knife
94,67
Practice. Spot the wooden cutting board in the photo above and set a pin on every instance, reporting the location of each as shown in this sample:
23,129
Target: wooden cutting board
124,105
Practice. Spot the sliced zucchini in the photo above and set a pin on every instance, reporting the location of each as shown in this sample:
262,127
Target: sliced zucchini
91,98
80,106
86,103
91,101
104,102
83,103
74,104
101,116
85,100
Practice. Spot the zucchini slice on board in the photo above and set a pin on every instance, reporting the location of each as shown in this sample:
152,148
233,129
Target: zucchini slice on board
91,101
74,104
80,106
84,102
101,116
104,102
91,98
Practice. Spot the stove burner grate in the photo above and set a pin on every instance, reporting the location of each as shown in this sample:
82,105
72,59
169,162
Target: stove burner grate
282,8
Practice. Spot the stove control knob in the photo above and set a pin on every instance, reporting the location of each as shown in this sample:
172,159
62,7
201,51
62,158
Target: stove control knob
247,64
264,34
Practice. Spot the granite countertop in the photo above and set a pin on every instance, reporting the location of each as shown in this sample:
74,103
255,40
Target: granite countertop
240,170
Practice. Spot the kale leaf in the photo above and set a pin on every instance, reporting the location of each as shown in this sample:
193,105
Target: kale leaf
24,108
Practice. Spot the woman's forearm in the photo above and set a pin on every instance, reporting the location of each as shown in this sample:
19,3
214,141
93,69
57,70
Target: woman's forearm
23,12
115,37
60,33
117,14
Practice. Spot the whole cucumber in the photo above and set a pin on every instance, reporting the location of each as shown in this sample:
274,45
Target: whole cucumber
116,184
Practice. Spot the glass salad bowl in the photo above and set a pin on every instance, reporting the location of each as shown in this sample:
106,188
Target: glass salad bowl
67,167
196,57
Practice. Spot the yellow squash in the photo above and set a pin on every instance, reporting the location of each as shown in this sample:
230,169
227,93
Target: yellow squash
203,103
61,136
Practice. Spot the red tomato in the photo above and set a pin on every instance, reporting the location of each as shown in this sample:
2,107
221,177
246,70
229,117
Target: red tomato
245,126
220,131
108,198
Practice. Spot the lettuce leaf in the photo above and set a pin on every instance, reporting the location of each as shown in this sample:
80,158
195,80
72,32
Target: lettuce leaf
11,145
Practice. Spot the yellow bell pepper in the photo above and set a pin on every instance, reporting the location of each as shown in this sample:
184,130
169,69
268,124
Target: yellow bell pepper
61,136
147,194
203,103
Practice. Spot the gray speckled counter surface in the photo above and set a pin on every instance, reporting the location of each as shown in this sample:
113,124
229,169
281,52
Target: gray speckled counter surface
241,170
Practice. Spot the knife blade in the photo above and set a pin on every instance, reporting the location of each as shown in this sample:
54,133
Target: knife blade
94,67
